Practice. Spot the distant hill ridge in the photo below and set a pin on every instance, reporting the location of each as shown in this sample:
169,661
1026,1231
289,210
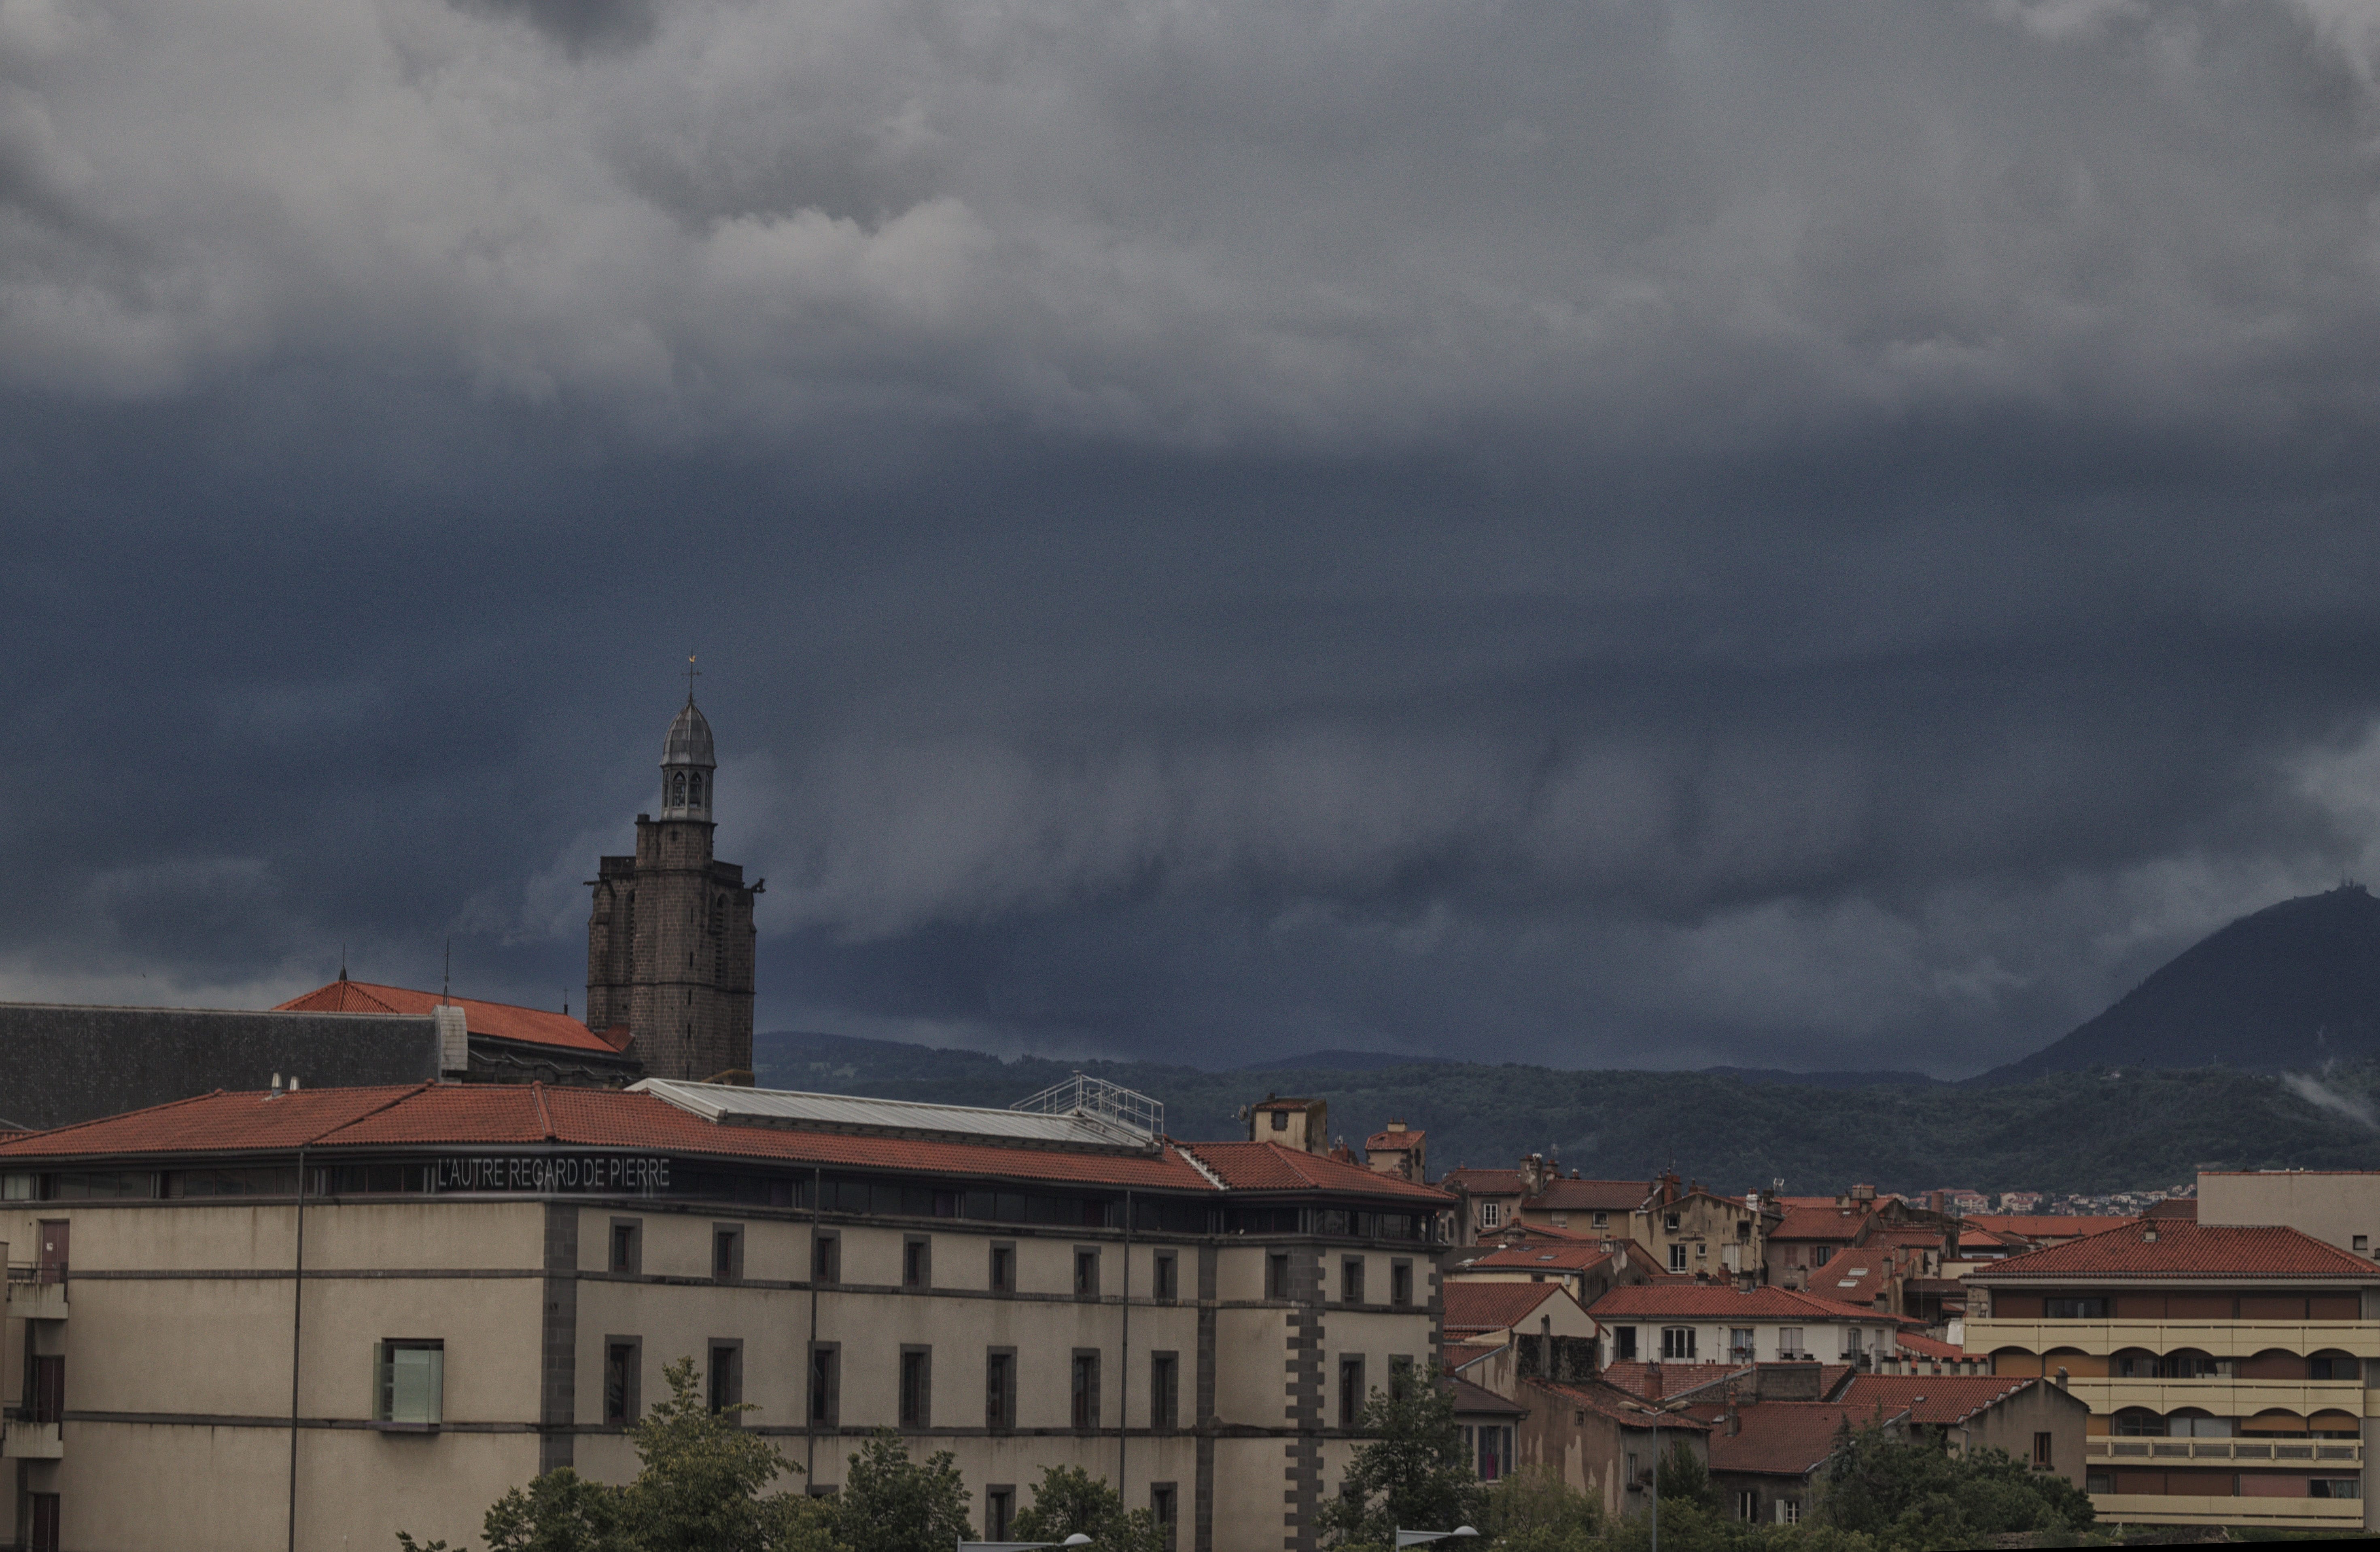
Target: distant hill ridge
2292,986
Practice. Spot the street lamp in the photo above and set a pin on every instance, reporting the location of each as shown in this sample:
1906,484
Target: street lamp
1415,1538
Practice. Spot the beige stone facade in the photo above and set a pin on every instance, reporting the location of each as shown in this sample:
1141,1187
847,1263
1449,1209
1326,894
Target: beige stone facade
1208,1357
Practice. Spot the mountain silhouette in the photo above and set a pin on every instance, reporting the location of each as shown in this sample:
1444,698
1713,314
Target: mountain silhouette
2291,987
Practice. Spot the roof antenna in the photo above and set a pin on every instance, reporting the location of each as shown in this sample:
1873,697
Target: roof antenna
446,985
343,961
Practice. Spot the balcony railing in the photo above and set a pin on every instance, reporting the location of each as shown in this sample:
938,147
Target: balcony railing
2276,1451
2149,1509
37,1271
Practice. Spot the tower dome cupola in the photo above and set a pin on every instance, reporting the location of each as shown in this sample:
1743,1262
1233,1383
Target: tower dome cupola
687,765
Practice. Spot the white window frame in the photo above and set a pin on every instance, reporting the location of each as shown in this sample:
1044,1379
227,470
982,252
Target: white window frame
1670,1343
1488,1213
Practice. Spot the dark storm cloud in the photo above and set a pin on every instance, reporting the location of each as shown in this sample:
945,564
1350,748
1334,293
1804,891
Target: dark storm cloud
1630,532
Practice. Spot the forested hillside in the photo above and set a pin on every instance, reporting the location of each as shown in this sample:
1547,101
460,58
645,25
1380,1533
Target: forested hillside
2064,1131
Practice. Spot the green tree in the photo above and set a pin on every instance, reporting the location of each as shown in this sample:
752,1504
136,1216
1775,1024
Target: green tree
1536,1511
1685,1478
1070,1500
890,1503
1414,1473
1910,1491
699,1490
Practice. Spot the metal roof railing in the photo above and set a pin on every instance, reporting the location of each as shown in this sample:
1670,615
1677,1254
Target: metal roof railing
1097,1100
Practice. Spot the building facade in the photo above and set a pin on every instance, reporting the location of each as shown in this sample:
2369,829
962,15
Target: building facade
2228,1367
313,1318
670,938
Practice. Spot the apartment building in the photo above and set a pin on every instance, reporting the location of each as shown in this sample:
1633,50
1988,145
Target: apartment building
2337,1207
2227,1366
1686,1228
310,1318
1696,1323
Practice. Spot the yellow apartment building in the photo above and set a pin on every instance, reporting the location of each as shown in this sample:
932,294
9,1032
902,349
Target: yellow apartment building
306,1319
2228,1367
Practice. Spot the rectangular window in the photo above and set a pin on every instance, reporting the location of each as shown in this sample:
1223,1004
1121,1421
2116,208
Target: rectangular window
2362,1245
826,1384
1850,1341
1495,1453
2074,1307
1351,1392
411,1382
1669,1221
826,1258
2335,1487
1747,1504
1820,1255
1400,1285
1277,1276
1165,1507
916,1263
45,1523
1677,1341
1164,1390
916,1387
2098,1482
1164,1278
999,1511
1350,1280
1602,1220
1401,1373
1789,1512
726,1252
727,1373
1489,1215
1623,1339
1004,1268
49,1388
1086,1273
1085,1412
623,1361
1677,1258
627,1246
2041,1450
1739,1344
1000,1389
1789,1342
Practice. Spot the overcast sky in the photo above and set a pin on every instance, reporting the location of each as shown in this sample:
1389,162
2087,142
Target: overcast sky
1604,532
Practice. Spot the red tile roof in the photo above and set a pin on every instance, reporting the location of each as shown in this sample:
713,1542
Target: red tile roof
2042,1226
1781,1438
1636,1378
1393,1141
2180,1247
1818,1223
1927,1347
1589,1195
1935,1399
1718,1302
1272,1166
1547,1258
1458,1354
1471,1305
495,1021
1482,1182
1609,1402
441,1114
1470,1399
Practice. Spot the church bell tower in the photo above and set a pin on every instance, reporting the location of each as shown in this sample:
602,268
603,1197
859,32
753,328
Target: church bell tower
670,941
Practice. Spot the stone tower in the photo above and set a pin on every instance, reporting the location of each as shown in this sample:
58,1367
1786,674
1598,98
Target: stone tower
669,945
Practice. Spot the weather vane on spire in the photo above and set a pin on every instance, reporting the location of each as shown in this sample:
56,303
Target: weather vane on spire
692,674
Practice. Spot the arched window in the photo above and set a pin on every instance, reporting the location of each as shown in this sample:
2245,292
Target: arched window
677,790
2189,1362
2139,1422
693,790
2331,1363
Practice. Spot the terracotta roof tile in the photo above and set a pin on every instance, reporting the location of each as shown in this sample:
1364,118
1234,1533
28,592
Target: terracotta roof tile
440,1114
1818,1223
1927,1347
1472,1305
1781,1438
2042,1226
1484,1182
1272,1166
1635,1376
496,1021
1470,1399
1718,1302
1393,1141
1933,1399
1590,1195
1611,1402
2181,1248
1547,1258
